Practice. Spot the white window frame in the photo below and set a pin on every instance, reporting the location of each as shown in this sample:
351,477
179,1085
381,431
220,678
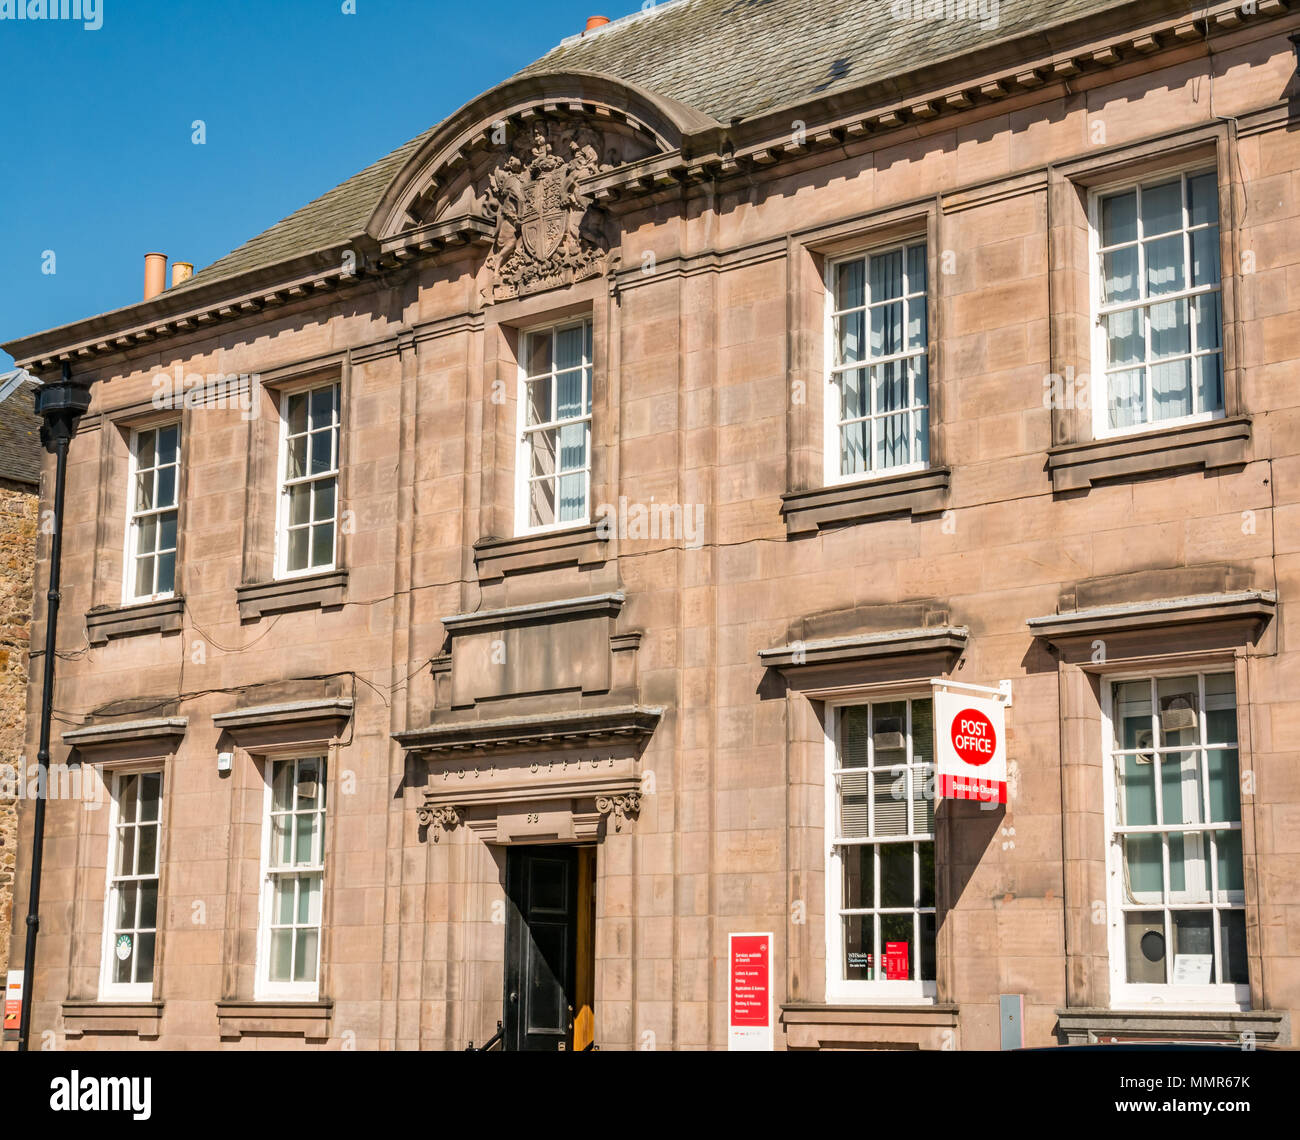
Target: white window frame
523,453
838,988
1216,997
263,988
284,482
110,990
830,401
1098,310
133,516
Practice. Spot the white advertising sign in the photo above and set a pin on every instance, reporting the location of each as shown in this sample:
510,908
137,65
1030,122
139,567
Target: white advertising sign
970,745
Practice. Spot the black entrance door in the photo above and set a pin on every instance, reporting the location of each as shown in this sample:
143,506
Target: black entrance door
541,948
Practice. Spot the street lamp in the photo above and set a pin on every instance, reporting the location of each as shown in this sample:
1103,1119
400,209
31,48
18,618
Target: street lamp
60,404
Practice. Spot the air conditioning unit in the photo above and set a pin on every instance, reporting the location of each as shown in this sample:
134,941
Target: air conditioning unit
1145,740
307,782
887,734
1145,943
1178,712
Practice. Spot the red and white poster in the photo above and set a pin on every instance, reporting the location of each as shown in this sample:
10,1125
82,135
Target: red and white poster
896,967
749,959
13,999
970,744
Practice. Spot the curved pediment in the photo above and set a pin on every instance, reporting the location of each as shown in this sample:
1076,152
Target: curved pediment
620,122
512,167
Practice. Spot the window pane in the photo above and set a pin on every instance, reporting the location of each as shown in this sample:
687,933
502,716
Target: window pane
1142,866
1232,941
323,499
305,844
304,967
166,496
1119,275
147,858
890,805
282,785
886,273
853,737
322,406
168,443
573,497
539,401
926,924
1125,339
281,955
921,436
1228,857
851,338
573,447
927,875
855,440
859,948
296,458
144,491
1164,265
1209,383
1144,942
1203,199
309,786
297,414
1194,936
144,950
150,790
895,929
1127,402
297,554
568,394
889,382
897,875
849,285
322,544
854,823
122,966
893,437
282,840
1205,312
887,329
126,852
1225,787
859,881
146,449
128,895
1138,798
322,451
167,531
916,324
284,896
1179,703
569,346
1170,335
147,542
855,400
309,900
1205,256
148,905
1171,392
144,568
1162,208
542,502
916,269
539,354
1119,218
1180,787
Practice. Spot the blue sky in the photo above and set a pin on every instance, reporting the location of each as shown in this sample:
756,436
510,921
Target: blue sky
96,158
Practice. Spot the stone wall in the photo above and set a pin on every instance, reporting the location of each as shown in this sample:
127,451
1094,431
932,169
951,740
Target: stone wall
18,514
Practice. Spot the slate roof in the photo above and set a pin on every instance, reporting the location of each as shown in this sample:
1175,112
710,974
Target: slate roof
731,59
20,429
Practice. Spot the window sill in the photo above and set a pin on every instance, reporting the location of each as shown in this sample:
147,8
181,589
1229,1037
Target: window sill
164,616
494,558
257,599
1202,446
142,1018
920,1025
1090,1026
913,493
309,1019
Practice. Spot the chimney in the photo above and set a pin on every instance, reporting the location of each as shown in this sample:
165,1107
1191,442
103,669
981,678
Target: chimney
594,22
181,271
155,274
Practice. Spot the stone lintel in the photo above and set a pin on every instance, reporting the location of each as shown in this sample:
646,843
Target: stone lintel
92,736
547,730
591,606
495,558
310,1019
141,1019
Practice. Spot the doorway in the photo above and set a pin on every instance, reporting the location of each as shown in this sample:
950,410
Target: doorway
550,949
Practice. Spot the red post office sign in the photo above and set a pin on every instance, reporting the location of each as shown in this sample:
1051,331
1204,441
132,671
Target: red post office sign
970,747
13,999
750,1005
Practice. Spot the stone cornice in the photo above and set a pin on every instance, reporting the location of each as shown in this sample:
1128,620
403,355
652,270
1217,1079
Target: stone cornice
89,737
1248,609
866,646
593,605
563,729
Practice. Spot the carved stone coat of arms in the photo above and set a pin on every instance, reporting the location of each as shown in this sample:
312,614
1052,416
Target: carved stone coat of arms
548,232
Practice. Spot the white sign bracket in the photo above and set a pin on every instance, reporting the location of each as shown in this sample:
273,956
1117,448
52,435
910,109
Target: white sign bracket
1002,691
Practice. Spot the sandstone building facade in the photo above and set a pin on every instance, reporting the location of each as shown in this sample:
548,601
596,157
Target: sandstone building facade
535,561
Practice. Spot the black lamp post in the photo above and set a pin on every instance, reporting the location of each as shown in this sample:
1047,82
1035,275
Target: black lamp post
61,404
